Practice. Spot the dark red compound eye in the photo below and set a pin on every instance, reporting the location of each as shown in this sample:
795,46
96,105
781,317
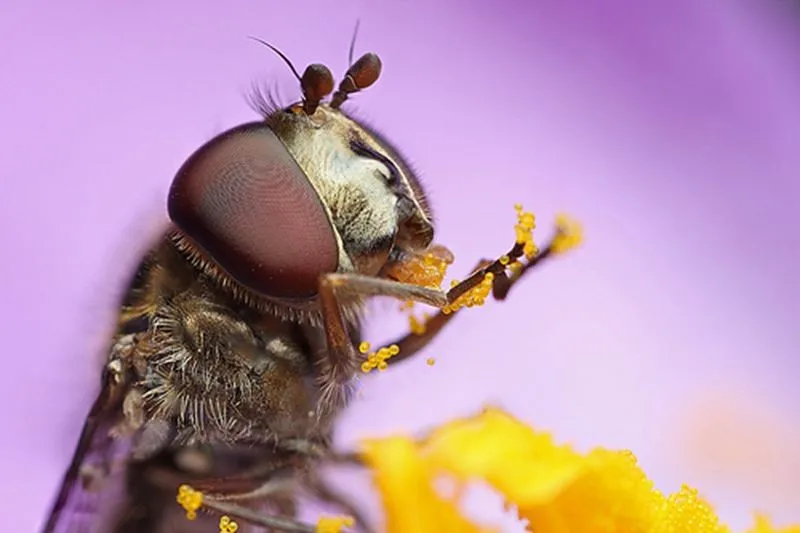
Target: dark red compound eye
244,200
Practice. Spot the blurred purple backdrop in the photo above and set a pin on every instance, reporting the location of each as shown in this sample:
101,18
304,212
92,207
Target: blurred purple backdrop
671,129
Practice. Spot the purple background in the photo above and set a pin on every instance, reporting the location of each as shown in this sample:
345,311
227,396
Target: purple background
671,129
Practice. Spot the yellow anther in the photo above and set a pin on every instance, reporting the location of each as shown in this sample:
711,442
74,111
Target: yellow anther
526,223
527,220
190,499
430,361
334,524
569,234
530,250
226,525
364,347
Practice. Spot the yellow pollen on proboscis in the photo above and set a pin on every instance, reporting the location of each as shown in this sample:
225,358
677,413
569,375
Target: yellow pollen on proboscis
191,500
427,271
334,524
226,525
378,359
364,347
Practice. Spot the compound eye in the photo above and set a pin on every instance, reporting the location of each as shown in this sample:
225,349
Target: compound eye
246,203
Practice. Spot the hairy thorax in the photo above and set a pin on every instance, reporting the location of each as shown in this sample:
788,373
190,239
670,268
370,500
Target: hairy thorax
207,369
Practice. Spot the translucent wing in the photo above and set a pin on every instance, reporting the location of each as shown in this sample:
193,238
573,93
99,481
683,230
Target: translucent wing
94,479
94,482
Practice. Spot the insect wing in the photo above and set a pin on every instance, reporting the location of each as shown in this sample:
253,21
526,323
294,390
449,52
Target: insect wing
95,477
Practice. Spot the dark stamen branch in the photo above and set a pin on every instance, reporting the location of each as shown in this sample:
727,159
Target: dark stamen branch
498,267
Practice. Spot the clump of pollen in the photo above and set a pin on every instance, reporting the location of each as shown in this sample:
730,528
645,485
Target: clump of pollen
526,223
191,500
377,359
426,270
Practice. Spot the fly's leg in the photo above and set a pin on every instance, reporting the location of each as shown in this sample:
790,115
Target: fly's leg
343,358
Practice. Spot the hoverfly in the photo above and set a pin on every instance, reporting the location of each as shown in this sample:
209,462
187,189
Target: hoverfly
237,342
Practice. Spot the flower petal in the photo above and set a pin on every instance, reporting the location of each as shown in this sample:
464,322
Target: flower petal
405,482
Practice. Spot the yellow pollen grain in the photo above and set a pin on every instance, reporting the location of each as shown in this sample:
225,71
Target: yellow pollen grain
226,525
430,361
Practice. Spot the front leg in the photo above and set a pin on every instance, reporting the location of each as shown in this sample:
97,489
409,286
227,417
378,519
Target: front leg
342,359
